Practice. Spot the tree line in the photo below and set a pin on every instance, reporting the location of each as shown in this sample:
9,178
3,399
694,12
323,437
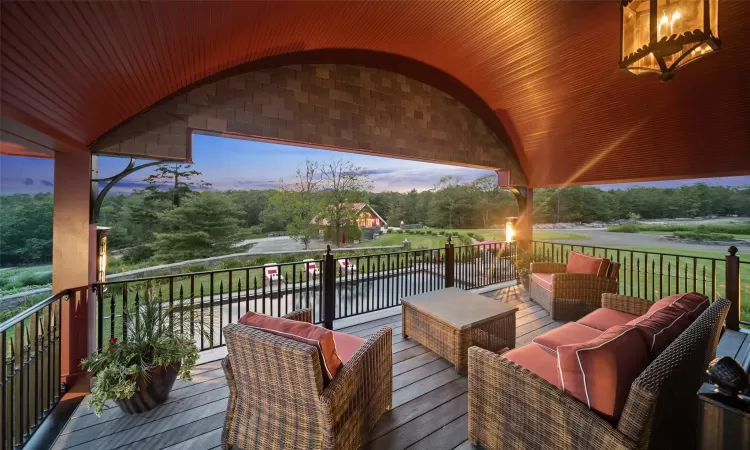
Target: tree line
178,217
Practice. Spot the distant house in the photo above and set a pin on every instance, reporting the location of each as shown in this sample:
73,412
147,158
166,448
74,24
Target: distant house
368,220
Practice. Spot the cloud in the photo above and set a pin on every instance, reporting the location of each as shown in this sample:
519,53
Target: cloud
28,181
370,172
46,183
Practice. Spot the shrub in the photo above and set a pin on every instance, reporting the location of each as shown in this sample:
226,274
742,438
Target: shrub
625,228
430,232
137,254
470,234
35,278
479,238
703,235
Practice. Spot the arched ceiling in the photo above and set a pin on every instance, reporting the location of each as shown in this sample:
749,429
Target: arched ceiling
548,70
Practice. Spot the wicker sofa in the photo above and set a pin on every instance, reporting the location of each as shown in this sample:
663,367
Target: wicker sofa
277,399
513,407
570,296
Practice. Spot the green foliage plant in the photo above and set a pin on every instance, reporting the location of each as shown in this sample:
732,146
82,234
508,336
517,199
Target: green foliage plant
152,342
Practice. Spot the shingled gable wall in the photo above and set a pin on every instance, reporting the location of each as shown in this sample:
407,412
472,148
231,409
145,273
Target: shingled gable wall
337,106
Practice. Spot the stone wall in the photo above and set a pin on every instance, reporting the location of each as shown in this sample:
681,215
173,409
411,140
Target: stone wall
336,106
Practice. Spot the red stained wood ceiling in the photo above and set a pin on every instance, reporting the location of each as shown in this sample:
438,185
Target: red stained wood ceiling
549,70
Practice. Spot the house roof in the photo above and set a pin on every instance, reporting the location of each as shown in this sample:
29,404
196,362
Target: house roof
544,73
356,207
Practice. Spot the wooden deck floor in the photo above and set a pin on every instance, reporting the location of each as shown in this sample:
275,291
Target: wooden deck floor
429,399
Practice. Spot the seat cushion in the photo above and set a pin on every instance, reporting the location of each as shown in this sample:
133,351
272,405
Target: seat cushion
692,303
580,263
319,337
570,333
537,360
346,345
600,372
603,319
543,279
662,327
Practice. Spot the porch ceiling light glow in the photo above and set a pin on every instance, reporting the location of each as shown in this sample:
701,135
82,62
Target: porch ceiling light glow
660,36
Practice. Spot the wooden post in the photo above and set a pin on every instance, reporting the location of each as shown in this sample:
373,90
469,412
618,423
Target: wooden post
449,264
525,223
329,289
733,288
74,261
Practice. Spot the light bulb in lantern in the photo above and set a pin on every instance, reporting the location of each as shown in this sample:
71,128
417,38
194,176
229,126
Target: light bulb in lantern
509,232
664,20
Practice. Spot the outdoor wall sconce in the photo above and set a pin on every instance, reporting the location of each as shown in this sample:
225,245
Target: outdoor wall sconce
101,259
510,232
660,36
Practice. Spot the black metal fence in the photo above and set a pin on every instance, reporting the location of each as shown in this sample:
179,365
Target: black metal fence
203,303
651,275
30,364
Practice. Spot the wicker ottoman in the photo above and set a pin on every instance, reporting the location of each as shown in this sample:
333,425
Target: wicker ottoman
451,320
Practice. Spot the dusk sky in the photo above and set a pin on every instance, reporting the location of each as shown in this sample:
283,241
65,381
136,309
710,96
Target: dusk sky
243,164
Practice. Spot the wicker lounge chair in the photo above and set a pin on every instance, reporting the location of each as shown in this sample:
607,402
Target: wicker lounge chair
511,407
570,296
277,399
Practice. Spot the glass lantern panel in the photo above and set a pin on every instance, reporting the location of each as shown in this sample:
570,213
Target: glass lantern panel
692,51
635,26
647,64
678,16
713,8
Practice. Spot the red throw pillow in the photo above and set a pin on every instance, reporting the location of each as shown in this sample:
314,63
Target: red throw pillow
600,372
580,263
692,303
662,327
307,333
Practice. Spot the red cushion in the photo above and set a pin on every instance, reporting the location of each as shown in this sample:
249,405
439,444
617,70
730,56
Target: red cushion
662,327
604,318
301,332
346,345
570,333
537,360
543,279
600,372
580,263
692,303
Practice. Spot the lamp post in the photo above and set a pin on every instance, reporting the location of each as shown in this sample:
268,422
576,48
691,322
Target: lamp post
101,252
660,36
510,232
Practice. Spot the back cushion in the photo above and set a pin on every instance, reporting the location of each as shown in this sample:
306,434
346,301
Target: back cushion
307,333
661,327
692,303
580,263
600,372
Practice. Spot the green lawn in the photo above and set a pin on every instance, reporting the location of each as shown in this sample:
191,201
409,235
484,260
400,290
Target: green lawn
646,274
499,234
417,241
671,233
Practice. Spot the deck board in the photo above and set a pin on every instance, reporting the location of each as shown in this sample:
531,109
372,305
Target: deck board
429,399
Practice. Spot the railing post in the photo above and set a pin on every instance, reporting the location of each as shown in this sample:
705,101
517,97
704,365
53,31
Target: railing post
329,291
449,264
733,288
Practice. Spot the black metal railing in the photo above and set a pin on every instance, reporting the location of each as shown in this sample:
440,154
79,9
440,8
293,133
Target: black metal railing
480,265
30,359
654,275
202,303
334,288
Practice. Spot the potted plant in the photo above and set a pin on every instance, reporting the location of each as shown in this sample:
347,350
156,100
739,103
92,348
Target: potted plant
138,373
523,265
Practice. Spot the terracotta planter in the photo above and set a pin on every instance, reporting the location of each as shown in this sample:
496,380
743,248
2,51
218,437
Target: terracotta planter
152,392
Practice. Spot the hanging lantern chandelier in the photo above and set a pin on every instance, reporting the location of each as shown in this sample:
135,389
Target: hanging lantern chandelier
660,36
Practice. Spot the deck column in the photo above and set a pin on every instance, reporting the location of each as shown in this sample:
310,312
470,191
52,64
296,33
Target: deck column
73,258
524,225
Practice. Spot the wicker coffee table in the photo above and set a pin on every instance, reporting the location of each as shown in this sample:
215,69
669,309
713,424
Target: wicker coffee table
451,320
